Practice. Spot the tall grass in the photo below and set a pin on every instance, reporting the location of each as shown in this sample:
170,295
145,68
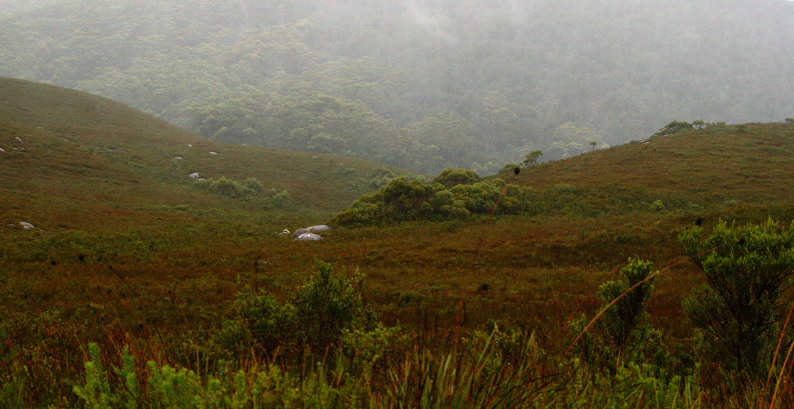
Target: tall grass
475,374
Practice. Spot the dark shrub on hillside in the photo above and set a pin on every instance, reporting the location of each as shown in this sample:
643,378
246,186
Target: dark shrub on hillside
512,168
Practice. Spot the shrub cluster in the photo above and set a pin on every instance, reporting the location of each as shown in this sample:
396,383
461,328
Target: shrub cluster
455,194
319,314
460,194
251,188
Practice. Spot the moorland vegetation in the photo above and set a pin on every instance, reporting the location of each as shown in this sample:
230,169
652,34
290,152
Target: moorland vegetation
138,289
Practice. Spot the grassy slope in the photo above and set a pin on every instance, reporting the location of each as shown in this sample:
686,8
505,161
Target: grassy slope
85,157
747,163
545,269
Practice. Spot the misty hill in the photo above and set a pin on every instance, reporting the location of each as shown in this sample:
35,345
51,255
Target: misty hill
418,84
75,160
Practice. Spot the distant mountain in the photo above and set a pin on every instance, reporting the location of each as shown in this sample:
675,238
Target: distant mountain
71,159
419,84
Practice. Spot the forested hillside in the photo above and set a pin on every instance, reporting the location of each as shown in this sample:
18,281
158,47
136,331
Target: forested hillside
419,84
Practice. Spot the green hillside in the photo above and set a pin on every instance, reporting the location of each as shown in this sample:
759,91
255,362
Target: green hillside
751,163
83,159
697,170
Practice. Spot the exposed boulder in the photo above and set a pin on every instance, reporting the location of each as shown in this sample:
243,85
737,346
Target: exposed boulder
308,237
298,232
307,233
319,228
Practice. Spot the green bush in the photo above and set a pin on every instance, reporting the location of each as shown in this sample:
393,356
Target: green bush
747,270
622,334
256,187
231,339
657,206
368,349
228,187
403,200
282,200
327,305
452,177
250,189
97,392
270,324
620,321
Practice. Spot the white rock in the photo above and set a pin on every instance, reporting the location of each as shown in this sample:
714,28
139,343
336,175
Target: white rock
284,232
178,157
308,237
2,150
319,228
298,232
190,145
213,153
194,175
26,225
18,139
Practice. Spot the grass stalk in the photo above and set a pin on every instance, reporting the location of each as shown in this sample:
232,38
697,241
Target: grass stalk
781,376
777,353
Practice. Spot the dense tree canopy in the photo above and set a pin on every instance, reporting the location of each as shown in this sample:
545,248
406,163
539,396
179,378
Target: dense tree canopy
421,84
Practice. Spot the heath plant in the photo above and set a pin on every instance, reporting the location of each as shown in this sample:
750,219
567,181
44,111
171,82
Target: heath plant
747,270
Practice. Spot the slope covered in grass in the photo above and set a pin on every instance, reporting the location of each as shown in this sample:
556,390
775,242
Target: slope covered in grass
73,159
751,163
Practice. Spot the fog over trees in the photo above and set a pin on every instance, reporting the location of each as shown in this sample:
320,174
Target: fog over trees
423,84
